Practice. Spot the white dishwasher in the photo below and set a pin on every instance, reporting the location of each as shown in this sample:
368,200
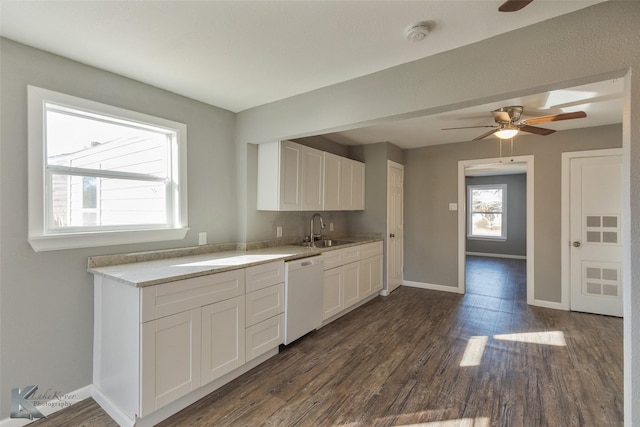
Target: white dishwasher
302,297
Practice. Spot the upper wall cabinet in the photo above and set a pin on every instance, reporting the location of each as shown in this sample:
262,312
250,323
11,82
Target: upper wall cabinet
293,177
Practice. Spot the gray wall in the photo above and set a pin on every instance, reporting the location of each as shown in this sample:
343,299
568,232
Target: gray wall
431,242
46,298
516,243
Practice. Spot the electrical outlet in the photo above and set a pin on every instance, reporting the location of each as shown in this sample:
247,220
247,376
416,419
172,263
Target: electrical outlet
330,226
278,231
202,238
453,206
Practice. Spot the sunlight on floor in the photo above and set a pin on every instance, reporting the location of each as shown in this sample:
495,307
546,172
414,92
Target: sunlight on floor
544,337
475,347
473,352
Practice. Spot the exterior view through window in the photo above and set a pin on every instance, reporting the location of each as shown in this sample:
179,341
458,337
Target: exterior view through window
105,172
487,216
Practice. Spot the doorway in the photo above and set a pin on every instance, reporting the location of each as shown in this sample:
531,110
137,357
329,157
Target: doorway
496,166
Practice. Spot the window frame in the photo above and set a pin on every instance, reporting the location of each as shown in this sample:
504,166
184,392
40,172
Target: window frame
470,212
41,237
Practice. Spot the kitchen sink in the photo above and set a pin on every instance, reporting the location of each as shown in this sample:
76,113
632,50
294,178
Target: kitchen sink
324,243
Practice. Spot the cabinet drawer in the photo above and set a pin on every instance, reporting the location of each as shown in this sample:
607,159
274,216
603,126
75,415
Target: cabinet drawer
350,255
264,336
264,275
175,297
370,249
332,259
264,303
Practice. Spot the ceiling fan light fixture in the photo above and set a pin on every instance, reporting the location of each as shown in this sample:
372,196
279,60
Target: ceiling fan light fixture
507,132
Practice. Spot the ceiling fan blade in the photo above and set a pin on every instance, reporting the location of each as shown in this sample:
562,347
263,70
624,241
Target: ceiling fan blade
501,116
555,118
513,5
536,130
484,135
468,127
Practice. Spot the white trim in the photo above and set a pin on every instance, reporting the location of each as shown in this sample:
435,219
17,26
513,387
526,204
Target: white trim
462,164
43,240
565,231
497,255
52,406
432,287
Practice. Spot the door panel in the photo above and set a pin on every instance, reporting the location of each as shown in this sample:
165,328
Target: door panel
596,235
395,226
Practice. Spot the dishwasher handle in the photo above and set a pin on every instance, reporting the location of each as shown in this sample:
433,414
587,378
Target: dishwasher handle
304,263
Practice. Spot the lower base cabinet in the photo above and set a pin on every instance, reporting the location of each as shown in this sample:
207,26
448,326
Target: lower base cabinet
354,273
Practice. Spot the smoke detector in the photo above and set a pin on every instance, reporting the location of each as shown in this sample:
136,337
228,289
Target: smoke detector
417,32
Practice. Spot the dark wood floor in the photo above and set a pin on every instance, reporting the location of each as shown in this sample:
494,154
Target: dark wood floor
397,361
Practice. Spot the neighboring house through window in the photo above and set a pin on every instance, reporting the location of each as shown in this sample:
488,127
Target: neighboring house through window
100,175
487,206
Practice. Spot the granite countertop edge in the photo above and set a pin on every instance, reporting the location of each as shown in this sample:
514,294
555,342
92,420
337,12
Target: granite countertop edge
155,268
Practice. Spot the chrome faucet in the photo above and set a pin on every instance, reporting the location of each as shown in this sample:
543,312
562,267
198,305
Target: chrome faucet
312,236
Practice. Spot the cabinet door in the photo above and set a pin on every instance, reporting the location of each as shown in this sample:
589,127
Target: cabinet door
357,186
346,184
332,302
291,166
223,328
351,283
370,275
332,179
170,359
312,185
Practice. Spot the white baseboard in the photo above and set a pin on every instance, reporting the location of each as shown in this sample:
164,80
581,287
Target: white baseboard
496,255
60,401
431,286
548,304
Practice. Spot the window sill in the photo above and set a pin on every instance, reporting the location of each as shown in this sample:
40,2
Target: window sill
488,238
54,242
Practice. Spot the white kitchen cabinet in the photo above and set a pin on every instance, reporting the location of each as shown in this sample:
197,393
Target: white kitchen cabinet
352,185
370,275
293,177
170,351
264,308
332,300
223,340
280,176
351,283
332,182
264,336
312,179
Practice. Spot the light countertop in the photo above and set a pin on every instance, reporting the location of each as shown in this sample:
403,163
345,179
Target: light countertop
156,271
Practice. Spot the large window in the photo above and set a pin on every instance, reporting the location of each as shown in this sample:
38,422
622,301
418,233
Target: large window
487,217
101,175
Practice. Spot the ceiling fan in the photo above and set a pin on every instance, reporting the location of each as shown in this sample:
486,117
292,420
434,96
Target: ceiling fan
513,5
508,123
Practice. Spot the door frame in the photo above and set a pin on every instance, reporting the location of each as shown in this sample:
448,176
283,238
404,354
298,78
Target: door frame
462,222
565,220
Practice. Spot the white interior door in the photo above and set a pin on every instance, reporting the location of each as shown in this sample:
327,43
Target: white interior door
596,234
395,225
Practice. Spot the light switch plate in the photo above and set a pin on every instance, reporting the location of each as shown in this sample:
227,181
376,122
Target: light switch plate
278,231
453,206
202,238
330,226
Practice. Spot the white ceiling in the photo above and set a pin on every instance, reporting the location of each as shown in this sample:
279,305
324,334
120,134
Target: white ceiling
241,54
